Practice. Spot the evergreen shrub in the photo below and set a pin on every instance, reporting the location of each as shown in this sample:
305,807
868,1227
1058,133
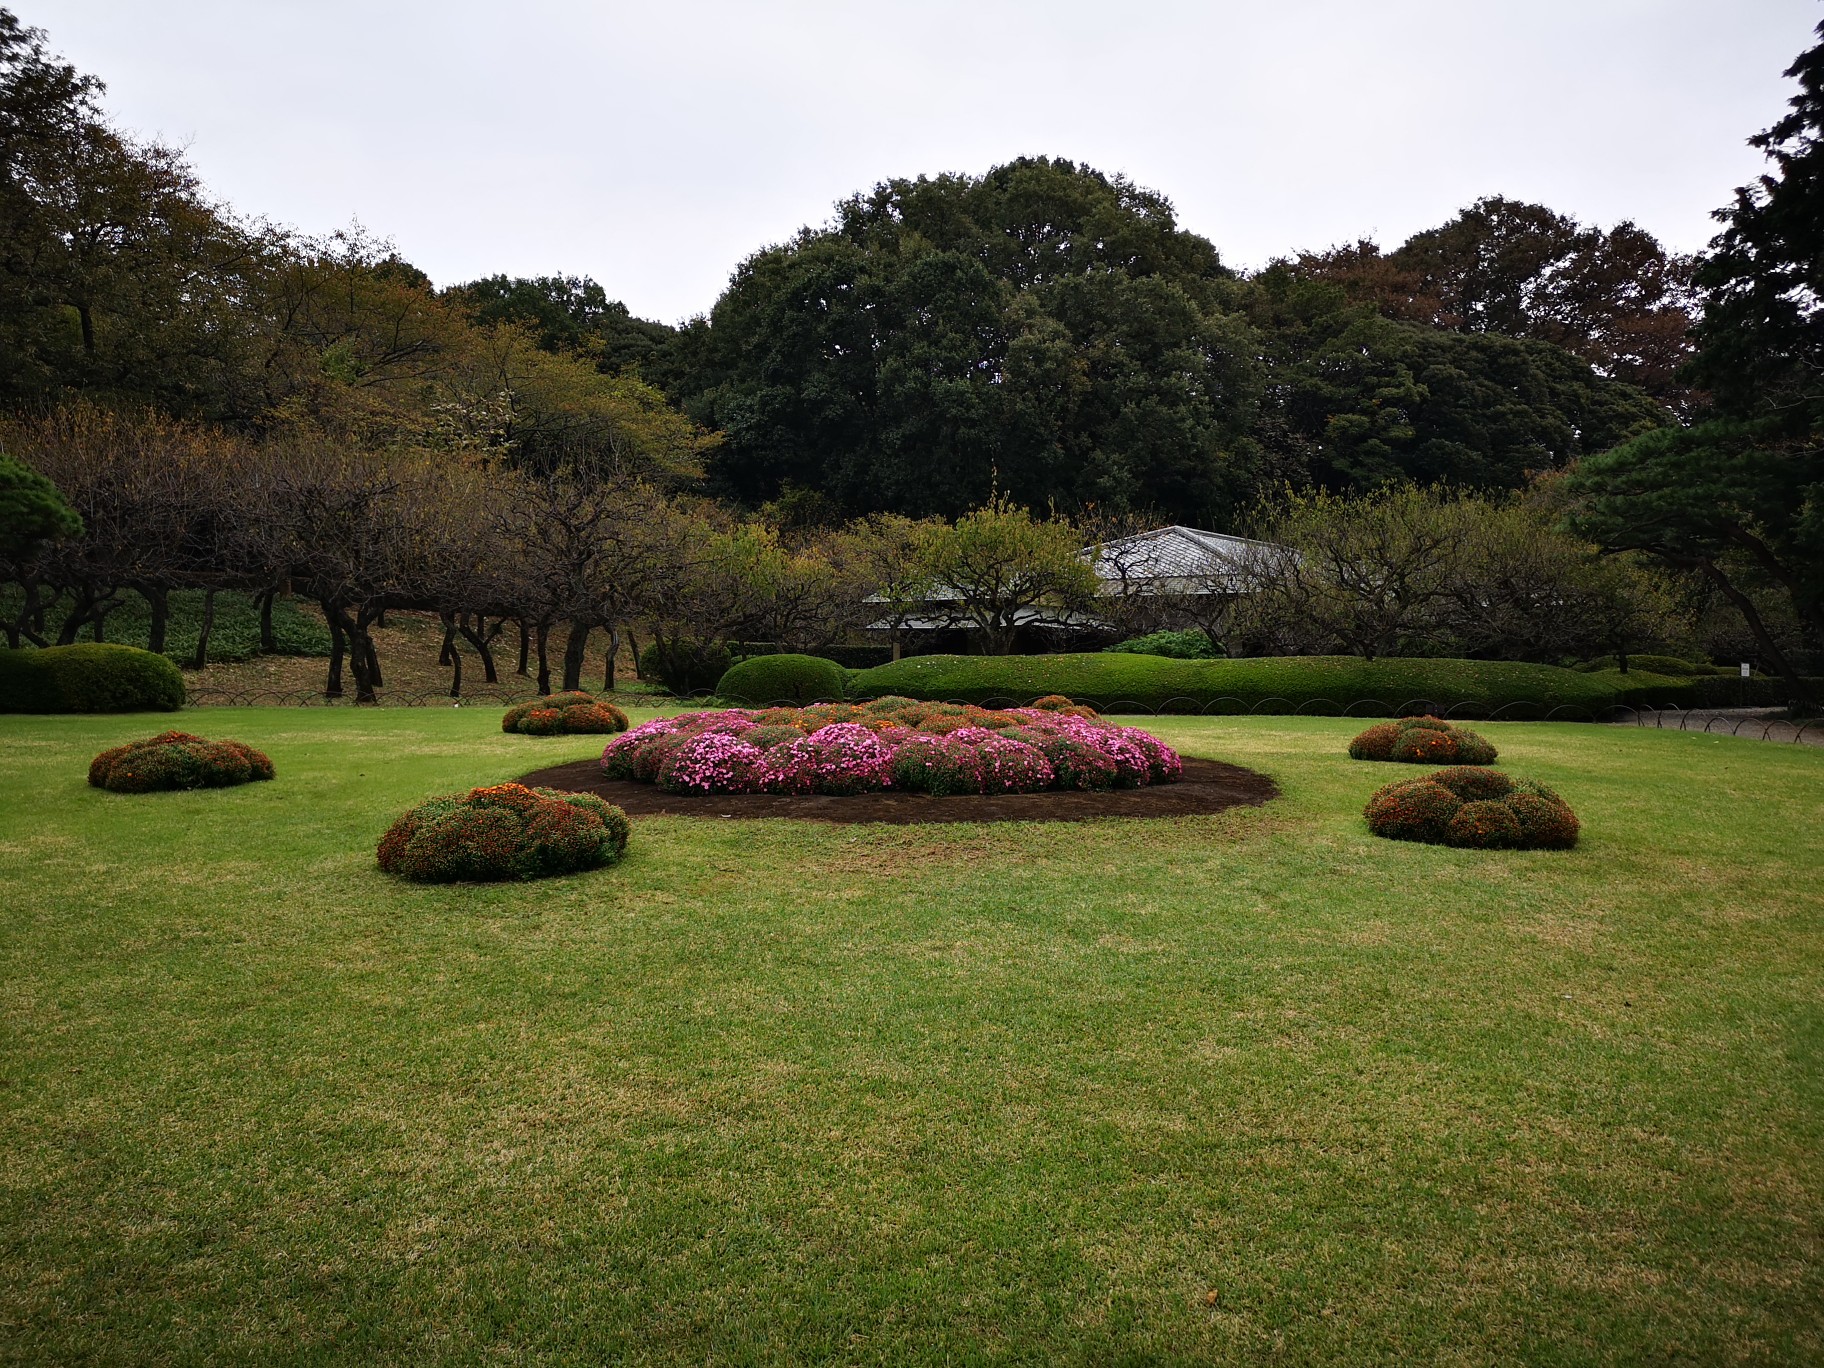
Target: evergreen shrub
88,678
796,679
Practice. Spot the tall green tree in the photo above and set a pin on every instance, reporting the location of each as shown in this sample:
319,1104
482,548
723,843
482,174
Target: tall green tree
1740,496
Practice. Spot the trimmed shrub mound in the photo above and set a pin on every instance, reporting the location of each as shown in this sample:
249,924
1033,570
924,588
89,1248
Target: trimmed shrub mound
505,831
1422,741
1110,680
844,749
88,678
564,714
1477,809
783,679
177,760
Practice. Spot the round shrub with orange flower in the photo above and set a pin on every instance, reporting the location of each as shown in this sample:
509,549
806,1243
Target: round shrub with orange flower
843,749
1422,741
177,760
1477,809
564,714
505,831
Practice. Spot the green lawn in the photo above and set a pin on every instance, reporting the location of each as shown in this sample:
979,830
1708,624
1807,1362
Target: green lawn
1240,1088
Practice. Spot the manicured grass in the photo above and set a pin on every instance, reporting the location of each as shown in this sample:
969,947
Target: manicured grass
1245,1088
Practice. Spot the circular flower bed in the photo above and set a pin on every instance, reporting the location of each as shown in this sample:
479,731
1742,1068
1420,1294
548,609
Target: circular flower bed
1478,809
891,743
1422,741
177,760
506,831
564,714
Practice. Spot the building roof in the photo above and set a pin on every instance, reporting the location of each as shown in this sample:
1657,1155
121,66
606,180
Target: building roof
1173,559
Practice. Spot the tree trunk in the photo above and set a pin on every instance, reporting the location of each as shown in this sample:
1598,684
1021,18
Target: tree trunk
544,664
479,640
525,645
269,641
575,651
451,656
159,601
66,635
338,648
201,658
614,646
375,678
633,649
1801,690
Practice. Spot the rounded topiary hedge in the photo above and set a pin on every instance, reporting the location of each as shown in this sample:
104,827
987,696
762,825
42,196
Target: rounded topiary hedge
1422,741
177,760
506,831
89,678
564,714
1477,809
797,679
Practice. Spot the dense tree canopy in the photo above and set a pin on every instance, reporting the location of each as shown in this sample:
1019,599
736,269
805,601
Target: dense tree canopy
1051,332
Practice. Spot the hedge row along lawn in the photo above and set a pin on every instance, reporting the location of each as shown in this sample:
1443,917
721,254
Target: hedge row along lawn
1210,1089
1106,678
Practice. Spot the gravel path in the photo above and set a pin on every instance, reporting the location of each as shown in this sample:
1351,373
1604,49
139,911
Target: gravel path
1760,724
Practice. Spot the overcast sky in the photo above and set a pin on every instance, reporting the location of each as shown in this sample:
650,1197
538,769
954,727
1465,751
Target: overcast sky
654,145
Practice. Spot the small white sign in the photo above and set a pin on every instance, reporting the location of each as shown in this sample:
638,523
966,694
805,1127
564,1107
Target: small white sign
1747,669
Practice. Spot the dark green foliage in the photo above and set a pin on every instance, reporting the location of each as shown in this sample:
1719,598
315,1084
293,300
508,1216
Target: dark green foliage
177,760
685,667
1369,400
233,635
506,831
89,678
31,511
768,679
566,314
863,657
1050,331
1660,665
1189,645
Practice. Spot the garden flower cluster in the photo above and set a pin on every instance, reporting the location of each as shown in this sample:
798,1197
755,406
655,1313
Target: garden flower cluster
891,743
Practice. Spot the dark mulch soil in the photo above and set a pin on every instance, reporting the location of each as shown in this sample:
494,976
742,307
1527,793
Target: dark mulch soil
1207,786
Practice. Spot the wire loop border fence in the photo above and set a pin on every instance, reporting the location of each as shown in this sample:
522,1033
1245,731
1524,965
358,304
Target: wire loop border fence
1713,721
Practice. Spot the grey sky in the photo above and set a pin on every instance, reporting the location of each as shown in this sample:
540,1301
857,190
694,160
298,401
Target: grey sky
655,145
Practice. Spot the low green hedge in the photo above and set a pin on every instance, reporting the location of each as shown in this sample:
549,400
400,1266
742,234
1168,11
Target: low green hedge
767,679
91,678
1281,683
